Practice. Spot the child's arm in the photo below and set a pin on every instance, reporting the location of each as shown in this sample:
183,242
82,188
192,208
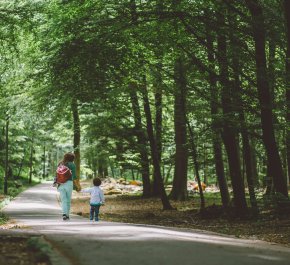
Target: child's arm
87,190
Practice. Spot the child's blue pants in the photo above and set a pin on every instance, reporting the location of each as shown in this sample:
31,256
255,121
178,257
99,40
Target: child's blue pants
94,212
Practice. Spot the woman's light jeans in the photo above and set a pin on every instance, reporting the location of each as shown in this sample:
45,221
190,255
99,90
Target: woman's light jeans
65,191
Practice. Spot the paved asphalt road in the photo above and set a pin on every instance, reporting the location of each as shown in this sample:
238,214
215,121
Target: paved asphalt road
105,243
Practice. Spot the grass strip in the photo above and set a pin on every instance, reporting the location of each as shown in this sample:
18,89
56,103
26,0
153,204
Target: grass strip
41,248
3,218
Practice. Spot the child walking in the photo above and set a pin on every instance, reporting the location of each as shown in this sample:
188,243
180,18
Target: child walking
97,198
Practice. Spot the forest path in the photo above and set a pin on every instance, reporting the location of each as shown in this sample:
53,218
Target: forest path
107,243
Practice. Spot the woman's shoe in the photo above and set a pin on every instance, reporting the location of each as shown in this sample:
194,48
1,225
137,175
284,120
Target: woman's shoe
64,217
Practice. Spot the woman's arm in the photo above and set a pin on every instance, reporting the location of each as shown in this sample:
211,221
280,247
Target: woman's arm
73,171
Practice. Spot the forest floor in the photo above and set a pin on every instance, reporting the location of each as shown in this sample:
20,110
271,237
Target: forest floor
17,249
268,226
20,250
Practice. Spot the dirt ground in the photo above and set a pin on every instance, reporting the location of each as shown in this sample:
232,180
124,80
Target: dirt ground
134,209
19,250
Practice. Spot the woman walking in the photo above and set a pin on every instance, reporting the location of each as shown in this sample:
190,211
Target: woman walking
65,189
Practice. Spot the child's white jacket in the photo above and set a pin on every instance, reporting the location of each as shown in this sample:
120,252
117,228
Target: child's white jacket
97,195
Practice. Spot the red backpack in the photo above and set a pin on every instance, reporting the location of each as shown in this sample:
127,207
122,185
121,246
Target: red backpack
63,174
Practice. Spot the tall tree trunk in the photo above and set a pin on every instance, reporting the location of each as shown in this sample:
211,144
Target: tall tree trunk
6,155
271,77
216,126
76,140
229,134
142,141
235,52
179,188
259,35
287,16
153,147
158,86
158,119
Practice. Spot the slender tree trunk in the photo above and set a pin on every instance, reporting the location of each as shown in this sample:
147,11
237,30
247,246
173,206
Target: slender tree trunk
219,167
132,173
259,34
153,147
179,188
204,164
271,78
142,142
31,162
158,121
44,161
112,169
100,170
6,155
106,173
21,165
158,90
247,149
196,165
52,168
168,174
216,126
254,163
269,181
248,158
271,69
287,16
76,140
119,151
230,135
